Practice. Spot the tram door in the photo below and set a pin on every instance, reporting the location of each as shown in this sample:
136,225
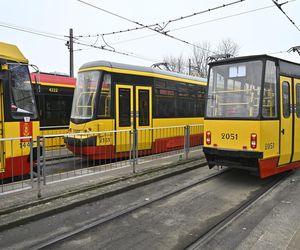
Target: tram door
286,120
124,117
133,110
143,116
296,155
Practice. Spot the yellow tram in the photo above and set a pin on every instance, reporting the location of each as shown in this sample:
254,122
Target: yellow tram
114,97
18,113
252,118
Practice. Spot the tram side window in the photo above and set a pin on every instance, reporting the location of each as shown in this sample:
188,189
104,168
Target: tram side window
104,105
144,108
286,99
164,99
200,101
124,107
269,105
298,100
186,101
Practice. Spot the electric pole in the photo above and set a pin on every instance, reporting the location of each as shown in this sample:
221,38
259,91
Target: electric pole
71,50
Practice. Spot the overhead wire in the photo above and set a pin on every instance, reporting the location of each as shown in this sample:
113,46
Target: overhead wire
279,7
158,30
64,39
197,24
161,25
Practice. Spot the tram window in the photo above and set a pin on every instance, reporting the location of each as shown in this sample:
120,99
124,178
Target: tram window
269,104
298,100
200,101
144,108
21,96
164,101
186,101
286,99
124,107
57,110
104,105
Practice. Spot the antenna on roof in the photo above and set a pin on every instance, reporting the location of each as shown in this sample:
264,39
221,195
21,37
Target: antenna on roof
219,57
294,49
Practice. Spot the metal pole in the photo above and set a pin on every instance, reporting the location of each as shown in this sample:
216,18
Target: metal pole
31,161
71,54
134,152
44,160
190,66
38,167
186,141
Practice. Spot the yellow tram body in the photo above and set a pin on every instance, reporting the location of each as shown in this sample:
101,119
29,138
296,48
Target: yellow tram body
139,85
252,118
18,113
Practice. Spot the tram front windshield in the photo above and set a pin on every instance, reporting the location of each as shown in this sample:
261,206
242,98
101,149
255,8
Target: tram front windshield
234,90
84,96
22,100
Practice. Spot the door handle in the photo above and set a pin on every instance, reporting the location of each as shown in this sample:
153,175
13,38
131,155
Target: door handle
282,131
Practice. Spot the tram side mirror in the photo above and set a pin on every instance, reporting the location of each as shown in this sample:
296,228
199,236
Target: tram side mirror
4,67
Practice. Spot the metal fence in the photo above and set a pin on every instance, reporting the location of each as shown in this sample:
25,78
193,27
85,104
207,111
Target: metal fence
16,164
84,154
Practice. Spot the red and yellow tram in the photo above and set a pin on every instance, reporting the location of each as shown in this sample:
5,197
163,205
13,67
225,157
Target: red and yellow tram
114,97
252,118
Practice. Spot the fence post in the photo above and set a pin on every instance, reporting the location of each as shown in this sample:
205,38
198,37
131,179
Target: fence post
38,166
136,147
31,161
44,159
186,141
134,150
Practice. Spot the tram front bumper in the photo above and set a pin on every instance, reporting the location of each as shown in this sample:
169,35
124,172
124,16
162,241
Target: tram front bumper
233,158
80,142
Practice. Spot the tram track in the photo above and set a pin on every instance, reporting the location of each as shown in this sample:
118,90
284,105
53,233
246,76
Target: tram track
224,222
128,210
14,216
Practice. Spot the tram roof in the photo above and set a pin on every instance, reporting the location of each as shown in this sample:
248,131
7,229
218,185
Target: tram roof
285,67
12,53
53,79
129,67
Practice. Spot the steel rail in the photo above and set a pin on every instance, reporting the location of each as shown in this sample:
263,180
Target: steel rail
224,222
124,212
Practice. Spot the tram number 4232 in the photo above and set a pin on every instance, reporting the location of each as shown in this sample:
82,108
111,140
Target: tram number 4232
229,136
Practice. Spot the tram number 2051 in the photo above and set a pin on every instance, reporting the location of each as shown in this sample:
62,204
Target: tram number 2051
229,136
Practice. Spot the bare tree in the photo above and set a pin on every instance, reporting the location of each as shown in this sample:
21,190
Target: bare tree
201,52
175,64
228,46
200,57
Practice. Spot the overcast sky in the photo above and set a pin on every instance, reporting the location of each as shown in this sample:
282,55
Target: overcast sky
258,32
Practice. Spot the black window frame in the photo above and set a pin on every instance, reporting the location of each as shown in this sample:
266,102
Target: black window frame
286,105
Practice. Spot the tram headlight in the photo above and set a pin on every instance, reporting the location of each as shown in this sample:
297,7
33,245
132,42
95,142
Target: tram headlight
253,140
208,137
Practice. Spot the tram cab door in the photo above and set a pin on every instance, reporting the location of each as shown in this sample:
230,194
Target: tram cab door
296,153
2,143
124,117
143,117
286,121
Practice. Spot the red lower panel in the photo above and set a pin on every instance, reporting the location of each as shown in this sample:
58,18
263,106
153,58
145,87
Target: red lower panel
159,146
270,167
16,166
